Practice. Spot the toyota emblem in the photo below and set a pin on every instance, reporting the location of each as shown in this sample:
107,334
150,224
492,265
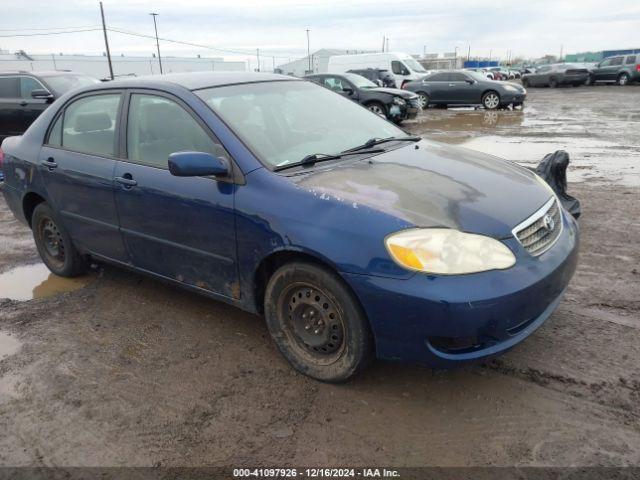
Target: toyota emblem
548,222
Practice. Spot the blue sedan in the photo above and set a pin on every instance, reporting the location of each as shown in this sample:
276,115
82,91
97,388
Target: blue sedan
354,239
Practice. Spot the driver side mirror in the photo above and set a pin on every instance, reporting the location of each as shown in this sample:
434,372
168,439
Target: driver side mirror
197,164
41,94
347,90
470,81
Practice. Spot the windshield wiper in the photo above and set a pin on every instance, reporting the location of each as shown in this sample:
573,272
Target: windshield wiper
323,157
377,141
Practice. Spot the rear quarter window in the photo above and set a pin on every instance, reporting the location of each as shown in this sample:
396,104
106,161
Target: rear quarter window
9,87
631,59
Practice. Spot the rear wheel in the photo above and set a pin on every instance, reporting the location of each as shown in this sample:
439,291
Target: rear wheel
525,83
491,100
317,323
423,98
54,244
553,83
378,109
623,79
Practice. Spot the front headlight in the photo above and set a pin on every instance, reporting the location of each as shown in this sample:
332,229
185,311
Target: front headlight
511,88
399,101
447,251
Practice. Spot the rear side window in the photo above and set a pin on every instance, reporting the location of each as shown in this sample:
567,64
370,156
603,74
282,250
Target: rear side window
631,59
158,127
28,85
458,77
438,77
9,87
89,125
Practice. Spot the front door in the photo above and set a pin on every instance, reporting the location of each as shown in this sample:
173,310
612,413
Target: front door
76,164
182,228
462,89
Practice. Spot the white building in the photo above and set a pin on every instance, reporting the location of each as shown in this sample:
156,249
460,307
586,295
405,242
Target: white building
98,67
319,62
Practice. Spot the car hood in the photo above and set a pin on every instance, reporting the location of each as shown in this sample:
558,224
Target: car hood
436,185
393,91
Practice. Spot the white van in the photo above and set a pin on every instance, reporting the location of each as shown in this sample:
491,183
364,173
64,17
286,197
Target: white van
403,66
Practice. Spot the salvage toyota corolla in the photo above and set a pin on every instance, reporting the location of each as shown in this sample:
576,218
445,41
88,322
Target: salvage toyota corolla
353,238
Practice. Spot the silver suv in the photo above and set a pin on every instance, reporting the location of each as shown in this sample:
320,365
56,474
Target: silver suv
621,69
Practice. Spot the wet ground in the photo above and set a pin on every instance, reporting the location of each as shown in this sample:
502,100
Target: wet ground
124,370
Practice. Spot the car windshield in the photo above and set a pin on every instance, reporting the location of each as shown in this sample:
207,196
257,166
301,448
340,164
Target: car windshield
413,65
63,83
359,81
282,122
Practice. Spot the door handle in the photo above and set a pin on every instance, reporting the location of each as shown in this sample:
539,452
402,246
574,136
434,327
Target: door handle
127,181
23,103
49,163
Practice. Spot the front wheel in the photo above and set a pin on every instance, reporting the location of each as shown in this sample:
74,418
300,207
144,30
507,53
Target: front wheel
317,323
525,83
378,109
553,83
491,100
589,81
54,244
623,79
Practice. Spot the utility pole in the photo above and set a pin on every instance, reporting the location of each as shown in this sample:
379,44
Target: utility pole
561,47
387,44
258,56
469,53
155,27
490,52
106,42
308,50
53,57
455,57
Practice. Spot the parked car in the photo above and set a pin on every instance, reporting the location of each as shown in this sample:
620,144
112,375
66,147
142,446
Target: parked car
403,66
503,73
459,87
382,78
25,95
555,75
352,237
392,103
622,69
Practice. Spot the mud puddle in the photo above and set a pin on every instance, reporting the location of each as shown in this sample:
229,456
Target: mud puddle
8,345
28,282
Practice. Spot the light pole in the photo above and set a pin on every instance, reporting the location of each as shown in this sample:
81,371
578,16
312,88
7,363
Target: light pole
155,26
106,41
308,51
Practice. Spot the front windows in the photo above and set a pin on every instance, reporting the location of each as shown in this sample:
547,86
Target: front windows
284,121
158,127
28,85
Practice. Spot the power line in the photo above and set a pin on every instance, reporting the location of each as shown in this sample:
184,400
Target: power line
46,28
48,33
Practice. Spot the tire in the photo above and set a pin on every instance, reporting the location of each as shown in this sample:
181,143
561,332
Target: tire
589,81
377,108
553,83
491,100
525,83
317,323
424,100
623,79
54,244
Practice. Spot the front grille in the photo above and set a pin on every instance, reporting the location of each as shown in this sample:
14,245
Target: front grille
540,231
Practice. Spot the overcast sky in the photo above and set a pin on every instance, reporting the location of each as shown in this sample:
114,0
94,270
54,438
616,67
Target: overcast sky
530,28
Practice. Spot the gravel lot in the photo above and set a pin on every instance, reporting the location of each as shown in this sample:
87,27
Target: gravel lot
124,370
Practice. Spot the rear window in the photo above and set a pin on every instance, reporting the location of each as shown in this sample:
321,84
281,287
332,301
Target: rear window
438,77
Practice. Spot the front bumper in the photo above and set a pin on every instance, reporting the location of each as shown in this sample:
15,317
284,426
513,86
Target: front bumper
515,98
442,321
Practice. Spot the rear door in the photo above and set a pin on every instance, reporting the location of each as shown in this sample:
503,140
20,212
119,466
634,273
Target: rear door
182,228
77,164
437,86
607,70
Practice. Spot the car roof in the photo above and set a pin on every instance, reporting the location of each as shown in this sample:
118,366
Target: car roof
197,80
47,73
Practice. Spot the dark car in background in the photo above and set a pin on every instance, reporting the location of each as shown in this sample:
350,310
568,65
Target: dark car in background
460,87
25,95
392,103
622,70
556,75
381,77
